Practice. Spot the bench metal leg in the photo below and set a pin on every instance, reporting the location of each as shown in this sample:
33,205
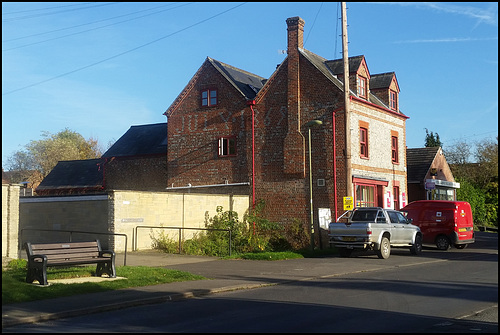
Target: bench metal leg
37,272
106,267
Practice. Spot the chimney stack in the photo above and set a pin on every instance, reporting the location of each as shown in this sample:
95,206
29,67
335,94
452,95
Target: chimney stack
294,145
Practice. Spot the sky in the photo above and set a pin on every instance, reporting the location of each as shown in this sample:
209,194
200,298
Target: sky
100,68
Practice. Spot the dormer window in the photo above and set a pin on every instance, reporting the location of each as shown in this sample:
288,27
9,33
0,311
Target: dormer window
361,87
393,100
209,97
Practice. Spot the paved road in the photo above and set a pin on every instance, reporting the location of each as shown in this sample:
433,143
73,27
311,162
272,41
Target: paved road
436,292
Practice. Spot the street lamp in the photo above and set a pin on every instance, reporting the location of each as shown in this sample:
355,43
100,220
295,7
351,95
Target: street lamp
309,125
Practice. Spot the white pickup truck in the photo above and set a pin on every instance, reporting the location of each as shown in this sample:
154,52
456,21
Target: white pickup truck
376,229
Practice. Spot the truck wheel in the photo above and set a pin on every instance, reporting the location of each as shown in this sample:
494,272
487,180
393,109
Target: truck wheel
442,242
417,247
344,252
385,248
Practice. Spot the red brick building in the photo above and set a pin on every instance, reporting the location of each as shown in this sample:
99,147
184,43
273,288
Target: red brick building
233,131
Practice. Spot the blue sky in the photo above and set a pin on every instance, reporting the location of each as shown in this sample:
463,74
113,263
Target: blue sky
99,68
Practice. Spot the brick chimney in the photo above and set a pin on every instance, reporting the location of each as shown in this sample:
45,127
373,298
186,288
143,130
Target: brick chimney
294,145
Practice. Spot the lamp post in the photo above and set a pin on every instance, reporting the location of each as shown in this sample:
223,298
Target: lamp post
309,125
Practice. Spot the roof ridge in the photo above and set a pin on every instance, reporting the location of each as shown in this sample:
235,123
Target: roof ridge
235,68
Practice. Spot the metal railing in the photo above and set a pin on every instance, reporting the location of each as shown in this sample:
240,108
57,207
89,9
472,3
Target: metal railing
180,236
78,232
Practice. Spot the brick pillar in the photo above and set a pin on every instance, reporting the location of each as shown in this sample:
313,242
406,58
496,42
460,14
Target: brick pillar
294,145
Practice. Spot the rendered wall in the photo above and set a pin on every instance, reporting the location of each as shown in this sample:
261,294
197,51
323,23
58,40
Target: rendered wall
118,212
10,220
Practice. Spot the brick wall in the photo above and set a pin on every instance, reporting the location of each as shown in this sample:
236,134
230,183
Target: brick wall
137,173
193,159
287,195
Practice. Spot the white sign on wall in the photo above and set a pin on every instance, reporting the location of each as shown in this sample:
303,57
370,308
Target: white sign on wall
325,217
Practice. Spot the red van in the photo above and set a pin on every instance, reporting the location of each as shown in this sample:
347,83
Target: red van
442,222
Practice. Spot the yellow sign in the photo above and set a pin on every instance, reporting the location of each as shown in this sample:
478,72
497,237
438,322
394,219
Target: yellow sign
348,203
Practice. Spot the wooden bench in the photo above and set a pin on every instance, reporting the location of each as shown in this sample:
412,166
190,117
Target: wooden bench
41,256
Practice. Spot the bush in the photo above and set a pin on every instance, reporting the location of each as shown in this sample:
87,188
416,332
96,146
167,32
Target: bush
18,264
164,242
254,234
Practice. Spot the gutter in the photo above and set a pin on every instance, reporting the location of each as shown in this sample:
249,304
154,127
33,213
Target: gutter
205,186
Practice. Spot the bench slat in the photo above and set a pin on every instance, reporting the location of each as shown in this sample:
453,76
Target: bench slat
63,245
72,256
64,251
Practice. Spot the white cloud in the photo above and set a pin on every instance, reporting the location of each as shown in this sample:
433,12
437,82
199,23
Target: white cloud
488,16
448,40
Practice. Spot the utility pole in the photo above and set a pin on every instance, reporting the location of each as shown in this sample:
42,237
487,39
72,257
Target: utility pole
347,114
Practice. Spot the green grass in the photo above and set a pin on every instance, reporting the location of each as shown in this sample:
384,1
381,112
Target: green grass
15,289
274,256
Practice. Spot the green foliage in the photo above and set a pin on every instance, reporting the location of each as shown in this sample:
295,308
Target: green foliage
18,264
254,234
268,256
39,157
478,181
164,242
297,234
476,198
431,140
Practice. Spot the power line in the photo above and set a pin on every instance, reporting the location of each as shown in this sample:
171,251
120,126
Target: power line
96,28
46,8
81,25
313,23
472,135
123,53
56,12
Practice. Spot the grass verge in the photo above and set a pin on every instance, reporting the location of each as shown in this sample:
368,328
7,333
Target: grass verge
282,255
15,289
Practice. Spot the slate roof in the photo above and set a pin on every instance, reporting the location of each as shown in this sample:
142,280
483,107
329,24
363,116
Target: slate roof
73,174
418,162
247,83
149,139
381,80
337,65
332,68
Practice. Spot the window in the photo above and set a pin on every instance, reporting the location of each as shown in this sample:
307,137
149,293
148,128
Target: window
209,97
394,149
395,190
363,142
393,100
227,146
362,87
365,196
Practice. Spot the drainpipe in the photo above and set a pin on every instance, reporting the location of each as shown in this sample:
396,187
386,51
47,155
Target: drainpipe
251,103
335,161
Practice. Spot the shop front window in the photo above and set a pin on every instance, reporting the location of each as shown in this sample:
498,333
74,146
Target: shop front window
365,196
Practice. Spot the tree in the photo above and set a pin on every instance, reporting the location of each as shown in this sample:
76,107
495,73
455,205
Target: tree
431,141
479,179
459,157
39,157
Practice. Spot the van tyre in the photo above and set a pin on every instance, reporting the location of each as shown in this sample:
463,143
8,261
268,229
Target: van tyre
443,243
416,248
384,251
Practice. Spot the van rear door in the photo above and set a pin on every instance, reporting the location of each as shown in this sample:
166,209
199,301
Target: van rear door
464,225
